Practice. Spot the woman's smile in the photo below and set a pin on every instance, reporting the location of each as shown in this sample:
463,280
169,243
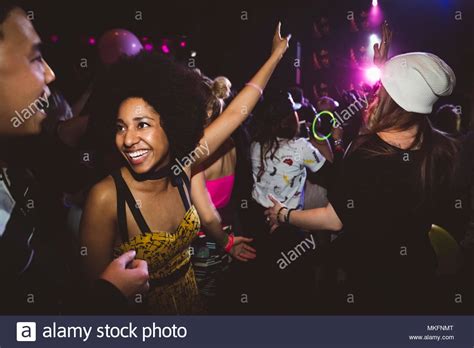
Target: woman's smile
140,137
137,157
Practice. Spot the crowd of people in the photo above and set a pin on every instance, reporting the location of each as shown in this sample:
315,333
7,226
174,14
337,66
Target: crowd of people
163,191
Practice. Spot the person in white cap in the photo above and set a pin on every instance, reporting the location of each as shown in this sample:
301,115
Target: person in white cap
388,191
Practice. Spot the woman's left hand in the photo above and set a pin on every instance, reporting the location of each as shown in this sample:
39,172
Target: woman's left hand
381,50
241,250
271,213
280,45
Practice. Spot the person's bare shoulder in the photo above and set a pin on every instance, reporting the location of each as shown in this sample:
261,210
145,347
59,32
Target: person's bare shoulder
103,195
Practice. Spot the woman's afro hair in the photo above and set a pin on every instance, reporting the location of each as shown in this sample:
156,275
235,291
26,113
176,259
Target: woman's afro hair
177,94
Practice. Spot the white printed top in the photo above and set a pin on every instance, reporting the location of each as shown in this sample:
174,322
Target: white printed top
285,175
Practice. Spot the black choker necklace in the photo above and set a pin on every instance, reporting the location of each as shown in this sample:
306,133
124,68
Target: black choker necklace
151,174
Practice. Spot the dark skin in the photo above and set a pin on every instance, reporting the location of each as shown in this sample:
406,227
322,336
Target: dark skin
147,135
139,129
159,195
143,143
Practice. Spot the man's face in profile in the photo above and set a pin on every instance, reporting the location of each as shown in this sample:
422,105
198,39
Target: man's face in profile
24,76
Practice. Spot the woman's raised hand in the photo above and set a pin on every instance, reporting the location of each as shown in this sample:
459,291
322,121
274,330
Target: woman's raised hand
381,51
280,45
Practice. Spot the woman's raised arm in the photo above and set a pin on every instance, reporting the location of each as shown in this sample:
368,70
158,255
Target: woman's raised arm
243,104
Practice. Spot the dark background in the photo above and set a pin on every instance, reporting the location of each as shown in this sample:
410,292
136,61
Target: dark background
227,45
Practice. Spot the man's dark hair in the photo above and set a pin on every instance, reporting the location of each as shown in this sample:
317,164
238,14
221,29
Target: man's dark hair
6,7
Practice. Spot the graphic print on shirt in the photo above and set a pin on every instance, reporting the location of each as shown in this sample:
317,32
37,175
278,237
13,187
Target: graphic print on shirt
283,175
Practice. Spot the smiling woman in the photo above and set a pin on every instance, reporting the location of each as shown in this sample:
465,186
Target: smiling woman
166,93
158,110
140,136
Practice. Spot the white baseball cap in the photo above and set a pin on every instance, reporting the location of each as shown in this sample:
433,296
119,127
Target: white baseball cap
416,80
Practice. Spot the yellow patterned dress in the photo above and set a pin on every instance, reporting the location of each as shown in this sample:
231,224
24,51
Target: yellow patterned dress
173,288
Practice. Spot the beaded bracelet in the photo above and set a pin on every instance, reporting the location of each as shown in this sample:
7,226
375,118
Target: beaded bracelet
287,217
278,214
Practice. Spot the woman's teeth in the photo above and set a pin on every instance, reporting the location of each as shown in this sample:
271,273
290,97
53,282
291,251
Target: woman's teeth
137,154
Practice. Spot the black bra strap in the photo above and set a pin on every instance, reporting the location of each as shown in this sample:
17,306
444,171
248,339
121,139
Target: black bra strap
182,193
186,181
124,195
121,215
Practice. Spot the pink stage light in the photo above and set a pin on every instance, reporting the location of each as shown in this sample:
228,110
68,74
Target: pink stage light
54,38
372,75
183,44
373,39
165,48
92,41
148,47
375,14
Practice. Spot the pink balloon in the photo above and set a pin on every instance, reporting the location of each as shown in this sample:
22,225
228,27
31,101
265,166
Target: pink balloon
116,43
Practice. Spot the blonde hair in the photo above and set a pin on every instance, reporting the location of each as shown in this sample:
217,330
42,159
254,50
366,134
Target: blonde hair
217,90
220,89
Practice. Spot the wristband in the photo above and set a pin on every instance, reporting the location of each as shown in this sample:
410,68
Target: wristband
257,87
230,243
287,218
278,214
